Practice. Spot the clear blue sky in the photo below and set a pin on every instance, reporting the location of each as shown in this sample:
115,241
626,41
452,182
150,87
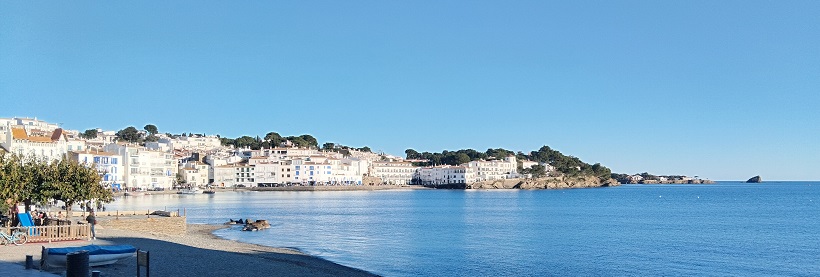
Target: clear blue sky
720,89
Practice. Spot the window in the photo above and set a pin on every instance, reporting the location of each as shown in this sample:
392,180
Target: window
297,173
297,167
113,160
96,160
311,167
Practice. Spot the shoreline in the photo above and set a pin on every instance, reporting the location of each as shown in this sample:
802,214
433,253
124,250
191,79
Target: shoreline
296,188
197,252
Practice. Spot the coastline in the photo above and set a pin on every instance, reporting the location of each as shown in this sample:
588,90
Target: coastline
198,252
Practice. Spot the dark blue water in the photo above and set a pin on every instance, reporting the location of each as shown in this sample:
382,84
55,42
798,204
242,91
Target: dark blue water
718,230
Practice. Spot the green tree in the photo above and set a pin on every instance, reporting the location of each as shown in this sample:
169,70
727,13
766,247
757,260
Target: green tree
90,134
72,182
151,129
537,171
310,140
274,139
411,154
462,158
129,134
365,149
328,146
245,141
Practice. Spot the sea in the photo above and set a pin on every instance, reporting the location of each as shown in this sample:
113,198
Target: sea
722,229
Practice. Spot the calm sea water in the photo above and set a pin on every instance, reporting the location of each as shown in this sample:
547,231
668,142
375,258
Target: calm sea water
726,229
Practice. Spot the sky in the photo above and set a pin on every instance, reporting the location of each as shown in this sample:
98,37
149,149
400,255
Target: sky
724,90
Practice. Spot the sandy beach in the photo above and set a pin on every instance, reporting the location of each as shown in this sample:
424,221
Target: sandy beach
196,253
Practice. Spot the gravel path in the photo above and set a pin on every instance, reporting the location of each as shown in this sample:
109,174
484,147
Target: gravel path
197,253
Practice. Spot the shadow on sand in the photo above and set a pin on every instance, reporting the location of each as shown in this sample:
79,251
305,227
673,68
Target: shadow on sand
174,259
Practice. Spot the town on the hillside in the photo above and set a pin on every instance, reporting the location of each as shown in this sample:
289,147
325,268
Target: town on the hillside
170,161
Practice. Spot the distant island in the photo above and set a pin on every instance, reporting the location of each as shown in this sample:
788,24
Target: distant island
755,179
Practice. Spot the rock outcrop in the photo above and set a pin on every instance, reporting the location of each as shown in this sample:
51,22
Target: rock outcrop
755,179
256,225
545,183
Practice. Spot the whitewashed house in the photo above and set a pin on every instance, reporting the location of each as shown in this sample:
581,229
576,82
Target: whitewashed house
144,168
393,173
108,165
35,143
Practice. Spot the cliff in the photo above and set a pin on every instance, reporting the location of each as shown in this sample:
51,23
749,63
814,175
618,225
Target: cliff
545,183
755,179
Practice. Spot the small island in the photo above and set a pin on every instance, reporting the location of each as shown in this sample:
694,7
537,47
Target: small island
755,179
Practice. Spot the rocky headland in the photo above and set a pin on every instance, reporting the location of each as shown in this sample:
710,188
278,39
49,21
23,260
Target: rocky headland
755,179
545,183
680,182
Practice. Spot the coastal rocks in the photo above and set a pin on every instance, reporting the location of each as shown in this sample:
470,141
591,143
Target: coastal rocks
755,179
257,225
545,183
678,182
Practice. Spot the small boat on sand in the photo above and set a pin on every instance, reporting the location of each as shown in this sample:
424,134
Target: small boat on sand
97,254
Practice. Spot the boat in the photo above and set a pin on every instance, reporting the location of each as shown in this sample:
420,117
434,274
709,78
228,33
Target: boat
208,191
193,190
97,254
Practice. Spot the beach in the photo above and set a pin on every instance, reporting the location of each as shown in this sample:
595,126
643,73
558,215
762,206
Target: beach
196,253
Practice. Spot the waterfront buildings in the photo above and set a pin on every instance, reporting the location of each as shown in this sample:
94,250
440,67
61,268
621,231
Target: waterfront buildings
194,174
35,143
394,173
199,160
495,169
108,165
144,168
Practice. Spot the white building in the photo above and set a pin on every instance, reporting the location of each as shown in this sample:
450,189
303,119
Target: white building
239,174
144,168
445,175
109,165
194,173
35,143
495,169
28,124
393,173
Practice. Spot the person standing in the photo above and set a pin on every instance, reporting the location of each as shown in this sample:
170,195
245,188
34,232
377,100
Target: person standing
91,219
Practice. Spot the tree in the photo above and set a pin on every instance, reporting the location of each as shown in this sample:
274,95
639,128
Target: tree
274,138
462,158
328,146
129,134
537,171
411,154
365,149
90,134
72,182
310,140
151,129
31,180
245,141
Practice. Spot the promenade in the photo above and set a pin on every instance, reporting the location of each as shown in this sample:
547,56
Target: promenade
197,252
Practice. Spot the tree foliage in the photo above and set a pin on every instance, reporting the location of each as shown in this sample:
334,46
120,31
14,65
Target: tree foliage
569,165
151,129
129,134
89,134
31,180
457,157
